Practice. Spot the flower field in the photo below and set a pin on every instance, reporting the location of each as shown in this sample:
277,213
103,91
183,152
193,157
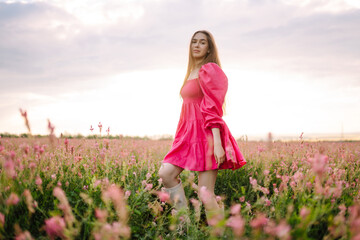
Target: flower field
102,188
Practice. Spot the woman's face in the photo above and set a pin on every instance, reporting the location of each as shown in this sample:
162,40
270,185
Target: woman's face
199,46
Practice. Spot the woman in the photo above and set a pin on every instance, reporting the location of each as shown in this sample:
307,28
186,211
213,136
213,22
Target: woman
202,141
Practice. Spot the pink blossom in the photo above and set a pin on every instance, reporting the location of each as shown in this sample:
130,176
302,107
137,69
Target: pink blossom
9,167
195,202
64,204
260,149
304,212
267,202
235,209
148,186
55,227
163,196
282,230
318,163
242,199
253,182
12,200
298,176
101,215
100,127
148,175
91,128
38,181
32,165
264,190
53,176
259,221
115,194
127,194
29,200
24,236
2,219
96,183
237,223
266,172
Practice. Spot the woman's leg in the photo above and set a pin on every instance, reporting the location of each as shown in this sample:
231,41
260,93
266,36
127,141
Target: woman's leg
169,174
173,185
208,179
214,213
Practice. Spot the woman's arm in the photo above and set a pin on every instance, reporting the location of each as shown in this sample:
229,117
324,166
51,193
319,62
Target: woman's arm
219,152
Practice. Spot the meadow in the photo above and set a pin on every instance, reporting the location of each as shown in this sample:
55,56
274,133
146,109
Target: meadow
60,188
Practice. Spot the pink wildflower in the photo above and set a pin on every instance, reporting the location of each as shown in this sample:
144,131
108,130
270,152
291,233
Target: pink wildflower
148,186
12,200
9,167
100,127
64,204
24,115
38,181
265,190
237,224
282,230
101,215
91,128
2,219
318,163
195,202
24,236
163,196
253,182
242,199
148,175
235,209
29,200
127,194
304,212
55,227
115,194
259,221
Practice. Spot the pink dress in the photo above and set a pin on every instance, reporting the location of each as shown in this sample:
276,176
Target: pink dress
201,110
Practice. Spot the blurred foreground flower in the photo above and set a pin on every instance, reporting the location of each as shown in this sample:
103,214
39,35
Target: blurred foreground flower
55,227
24,115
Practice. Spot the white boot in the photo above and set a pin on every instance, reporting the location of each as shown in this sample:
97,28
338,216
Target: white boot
178,199
177,196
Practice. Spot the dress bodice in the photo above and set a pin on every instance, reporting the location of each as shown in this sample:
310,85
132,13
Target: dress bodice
191,91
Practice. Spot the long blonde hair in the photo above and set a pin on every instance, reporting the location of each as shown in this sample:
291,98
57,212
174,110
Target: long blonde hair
212,56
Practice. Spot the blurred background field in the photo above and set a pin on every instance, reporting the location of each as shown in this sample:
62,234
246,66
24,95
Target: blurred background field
106,188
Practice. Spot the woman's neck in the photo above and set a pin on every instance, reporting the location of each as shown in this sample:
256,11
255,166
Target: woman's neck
198,63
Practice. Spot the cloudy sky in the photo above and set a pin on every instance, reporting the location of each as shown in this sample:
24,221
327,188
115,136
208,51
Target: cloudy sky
293,65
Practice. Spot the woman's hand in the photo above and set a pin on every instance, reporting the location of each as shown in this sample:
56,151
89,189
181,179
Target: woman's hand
219,152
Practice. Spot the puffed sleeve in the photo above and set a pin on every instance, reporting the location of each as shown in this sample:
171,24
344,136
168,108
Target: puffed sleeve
214,85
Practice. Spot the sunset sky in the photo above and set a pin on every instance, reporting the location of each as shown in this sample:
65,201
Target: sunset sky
293,65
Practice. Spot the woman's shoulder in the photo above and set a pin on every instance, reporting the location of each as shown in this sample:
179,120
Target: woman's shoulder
210,66
211,69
